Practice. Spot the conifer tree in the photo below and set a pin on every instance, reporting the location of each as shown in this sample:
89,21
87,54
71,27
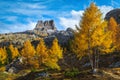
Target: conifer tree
112,26
14,52
92,36
54,54
41,52
117,39
3,56
28,52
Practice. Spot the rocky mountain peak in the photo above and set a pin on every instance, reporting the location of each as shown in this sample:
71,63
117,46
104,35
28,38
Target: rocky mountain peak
43,29
45,25
115,13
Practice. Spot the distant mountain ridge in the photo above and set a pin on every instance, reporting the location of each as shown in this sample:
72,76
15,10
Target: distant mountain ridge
43,29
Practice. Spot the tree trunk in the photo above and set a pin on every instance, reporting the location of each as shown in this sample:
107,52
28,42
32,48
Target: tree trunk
89,47
96,61
91,61
40,61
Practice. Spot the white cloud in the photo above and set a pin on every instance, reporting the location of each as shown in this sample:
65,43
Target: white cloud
68,22
30,9
32,6
10,18
73,20
76,14
22,27
105,9
30,12
18,27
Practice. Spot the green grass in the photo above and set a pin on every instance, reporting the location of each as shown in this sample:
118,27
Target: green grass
72,73
9,76
3,76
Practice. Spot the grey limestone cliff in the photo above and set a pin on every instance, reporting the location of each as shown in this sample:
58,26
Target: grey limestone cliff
46,25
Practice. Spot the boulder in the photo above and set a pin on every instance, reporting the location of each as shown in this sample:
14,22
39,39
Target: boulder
43,74
15,66
12,70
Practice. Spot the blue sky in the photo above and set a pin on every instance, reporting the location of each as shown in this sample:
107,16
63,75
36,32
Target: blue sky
21,15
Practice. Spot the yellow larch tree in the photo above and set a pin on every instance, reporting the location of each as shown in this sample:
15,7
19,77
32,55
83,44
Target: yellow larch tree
112,26
117,39
28,53
101,40
3,56
41,52
92,36
14,52
54,54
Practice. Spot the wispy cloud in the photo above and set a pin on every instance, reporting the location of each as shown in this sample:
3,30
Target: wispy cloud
32,6
21,16
29,12
18,27
9,18
115,3
28,8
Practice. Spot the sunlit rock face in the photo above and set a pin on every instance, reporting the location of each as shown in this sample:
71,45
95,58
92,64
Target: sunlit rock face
45,25
115,13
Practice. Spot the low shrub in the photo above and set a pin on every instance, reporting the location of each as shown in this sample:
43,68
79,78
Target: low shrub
72,73
2,68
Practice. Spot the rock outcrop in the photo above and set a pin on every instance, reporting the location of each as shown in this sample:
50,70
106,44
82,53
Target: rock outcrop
46,30
115,14
15,66
62,36
46,25
43,28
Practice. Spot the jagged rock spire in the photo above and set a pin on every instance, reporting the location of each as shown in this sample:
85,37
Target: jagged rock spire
45,25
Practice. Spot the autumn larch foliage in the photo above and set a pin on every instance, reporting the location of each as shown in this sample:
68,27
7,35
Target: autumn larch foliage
14,52
54,54
117,39
41,52
92,36
28,53
113,27
3,56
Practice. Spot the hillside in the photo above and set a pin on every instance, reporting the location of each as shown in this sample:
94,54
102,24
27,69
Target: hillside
91,52
46,30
